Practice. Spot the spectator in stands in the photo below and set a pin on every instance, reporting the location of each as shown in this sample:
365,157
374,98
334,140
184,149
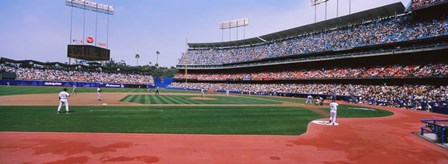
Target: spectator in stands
78,76
397,71
385,30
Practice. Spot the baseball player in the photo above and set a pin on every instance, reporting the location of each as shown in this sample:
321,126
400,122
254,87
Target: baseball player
321,101
202,92
63,96
7,84
157,91
74,89
333,110
227,92
309,99
98,92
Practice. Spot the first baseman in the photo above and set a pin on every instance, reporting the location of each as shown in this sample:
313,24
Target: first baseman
63,96
333,110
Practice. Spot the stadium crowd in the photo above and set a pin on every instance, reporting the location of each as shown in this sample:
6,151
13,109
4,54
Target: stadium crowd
77,76
379,31
416,4
397,71
420,97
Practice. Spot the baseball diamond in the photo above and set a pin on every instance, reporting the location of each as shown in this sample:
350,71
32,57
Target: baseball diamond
287,82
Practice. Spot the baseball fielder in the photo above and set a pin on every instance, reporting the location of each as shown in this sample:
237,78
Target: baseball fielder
63,95
157,91
333,110
202,92
74,89
309,99
98,92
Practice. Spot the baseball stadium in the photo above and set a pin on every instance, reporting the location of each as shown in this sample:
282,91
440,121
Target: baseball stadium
367,87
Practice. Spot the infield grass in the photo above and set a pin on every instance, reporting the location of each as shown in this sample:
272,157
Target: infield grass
177,99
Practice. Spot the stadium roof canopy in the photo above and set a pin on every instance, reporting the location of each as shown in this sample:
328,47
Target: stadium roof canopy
363,16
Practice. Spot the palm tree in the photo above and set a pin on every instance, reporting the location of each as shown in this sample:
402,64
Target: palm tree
137,56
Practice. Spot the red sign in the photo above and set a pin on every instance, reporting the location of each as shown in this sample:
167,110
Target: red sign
102,44
89,39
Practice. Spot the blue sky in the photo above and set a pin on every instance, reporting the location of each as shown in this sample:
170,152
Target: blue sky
40,29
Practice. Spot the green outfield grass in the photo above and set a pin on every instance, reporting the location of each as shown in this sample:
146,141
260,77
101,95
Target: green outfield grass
178,120
16,90
171,99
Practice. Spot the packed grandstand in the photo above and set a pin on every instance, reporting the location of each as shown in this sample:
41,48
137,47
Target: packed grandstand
399,71
389,56
59,75
381,31
417,4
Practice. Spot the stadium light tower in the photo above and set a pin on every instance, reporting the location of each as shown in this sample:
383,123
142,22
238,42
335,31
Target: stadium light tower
94,7
234,24
157,60
137,56
317,2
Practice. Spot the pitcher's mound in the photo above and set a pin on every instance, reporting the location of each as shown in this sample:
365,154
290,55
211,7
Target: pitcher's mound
202,98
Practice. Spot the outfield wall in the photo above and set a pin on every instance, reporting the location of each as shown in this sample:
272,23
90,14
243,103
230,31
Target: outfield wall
69,84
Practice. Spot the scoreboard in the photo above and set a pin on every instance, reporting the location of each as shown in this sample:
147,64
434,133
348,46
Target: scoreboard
88,52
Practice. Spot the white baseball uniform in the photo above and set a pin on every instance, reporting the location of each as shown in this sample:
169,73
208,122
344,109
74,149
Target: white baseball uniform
98,92
227,92
63,96
74,89
202,92
309,99
333,111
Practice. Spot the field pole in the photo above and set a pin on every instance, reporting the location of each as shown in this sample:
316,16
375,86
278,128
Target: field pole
71,32
186,63
337,8
350,7
84,28
326,10
107,32
96,28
